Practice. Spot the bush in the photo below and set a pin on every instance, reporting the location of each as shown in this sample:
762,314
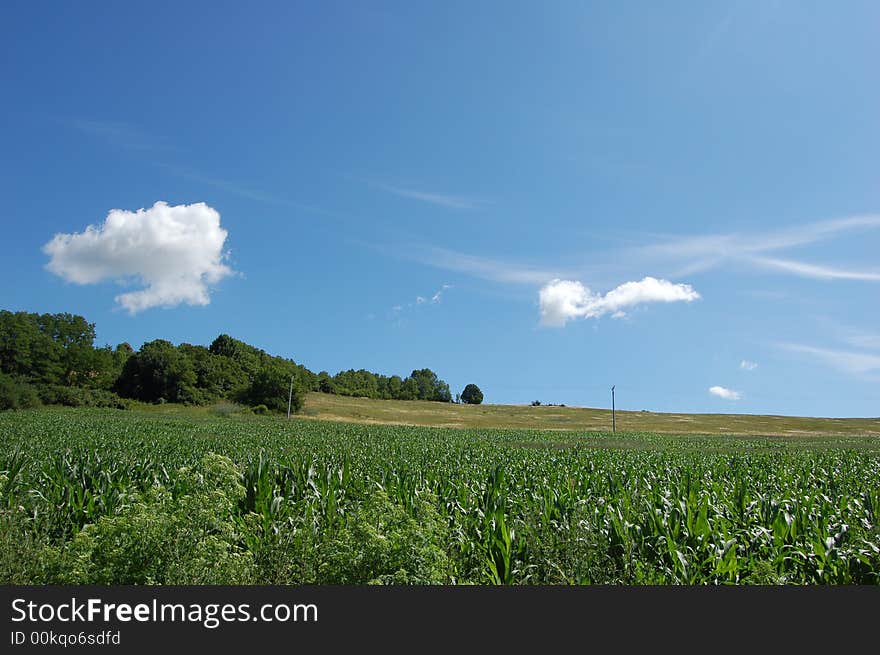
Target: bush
185,534
18,566
382,544
55,394
16,395
261,410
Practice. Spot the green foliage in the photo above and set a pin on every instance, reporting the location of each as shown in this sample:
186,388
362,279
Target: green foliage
382,543
94,495
16,395
18,546
50,348
472,395
56,353
55,394
430,386
185,534
159,372
422,384
326,383
271,389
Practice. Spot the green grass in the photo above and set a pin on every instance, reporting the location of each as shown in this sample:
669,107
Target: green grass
410,412
191,497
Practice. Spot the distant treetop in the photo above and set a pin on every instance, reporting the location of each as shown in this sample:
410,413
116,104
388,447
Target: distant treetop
472,395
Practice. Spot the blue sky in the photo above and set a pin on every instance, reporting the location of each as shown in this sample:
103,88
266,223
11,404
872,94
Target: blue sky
670,197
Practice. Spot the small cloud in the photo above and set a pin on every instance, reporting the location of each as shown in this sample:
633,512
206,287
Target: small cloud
563,300
727,394
746,365
175,252
422,300
436,297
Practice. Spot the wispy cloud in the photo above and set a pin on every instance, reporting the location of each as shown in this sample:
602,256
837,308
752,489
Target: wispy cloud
486,268
854,363
693,254
725,393
564,300
864,340
448,200
121,135
747,365
815,271
249,192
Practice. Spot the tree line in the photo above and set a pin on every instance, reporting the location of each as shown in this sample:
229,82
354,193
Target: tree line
51,359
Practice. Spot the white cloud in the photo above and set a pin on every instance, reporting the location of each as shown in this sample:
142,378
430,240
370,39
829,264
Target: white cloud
563,300
815,271
481,267
855,363
702,253
422,300
175,252
746,365
723,392
437,296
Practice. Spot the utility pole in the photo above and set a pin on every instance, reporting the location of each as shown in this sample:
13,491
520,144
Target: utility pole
289,396
613,417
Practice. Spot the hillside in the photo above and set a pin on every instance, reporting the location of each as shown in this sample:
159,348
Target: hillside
412,412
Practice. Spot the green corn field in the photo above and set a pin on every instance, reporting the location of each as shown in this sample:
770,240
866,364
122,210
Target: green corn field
112,497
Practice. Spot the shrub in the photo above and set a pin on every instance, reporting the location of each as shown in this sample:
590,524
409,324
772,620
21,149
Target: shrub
56,394
183,534
382,544
16,395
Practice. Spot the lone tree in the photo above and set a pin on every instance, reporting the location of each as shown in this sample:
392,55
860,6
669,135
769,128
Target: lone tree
472,395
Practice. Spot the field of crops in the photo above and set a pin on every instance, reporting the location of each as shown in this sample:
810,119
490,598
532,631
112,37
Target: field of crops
106,496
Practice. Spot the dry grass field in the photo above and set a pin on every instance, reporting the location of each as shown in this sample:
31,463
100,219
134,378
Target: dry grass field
411,412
